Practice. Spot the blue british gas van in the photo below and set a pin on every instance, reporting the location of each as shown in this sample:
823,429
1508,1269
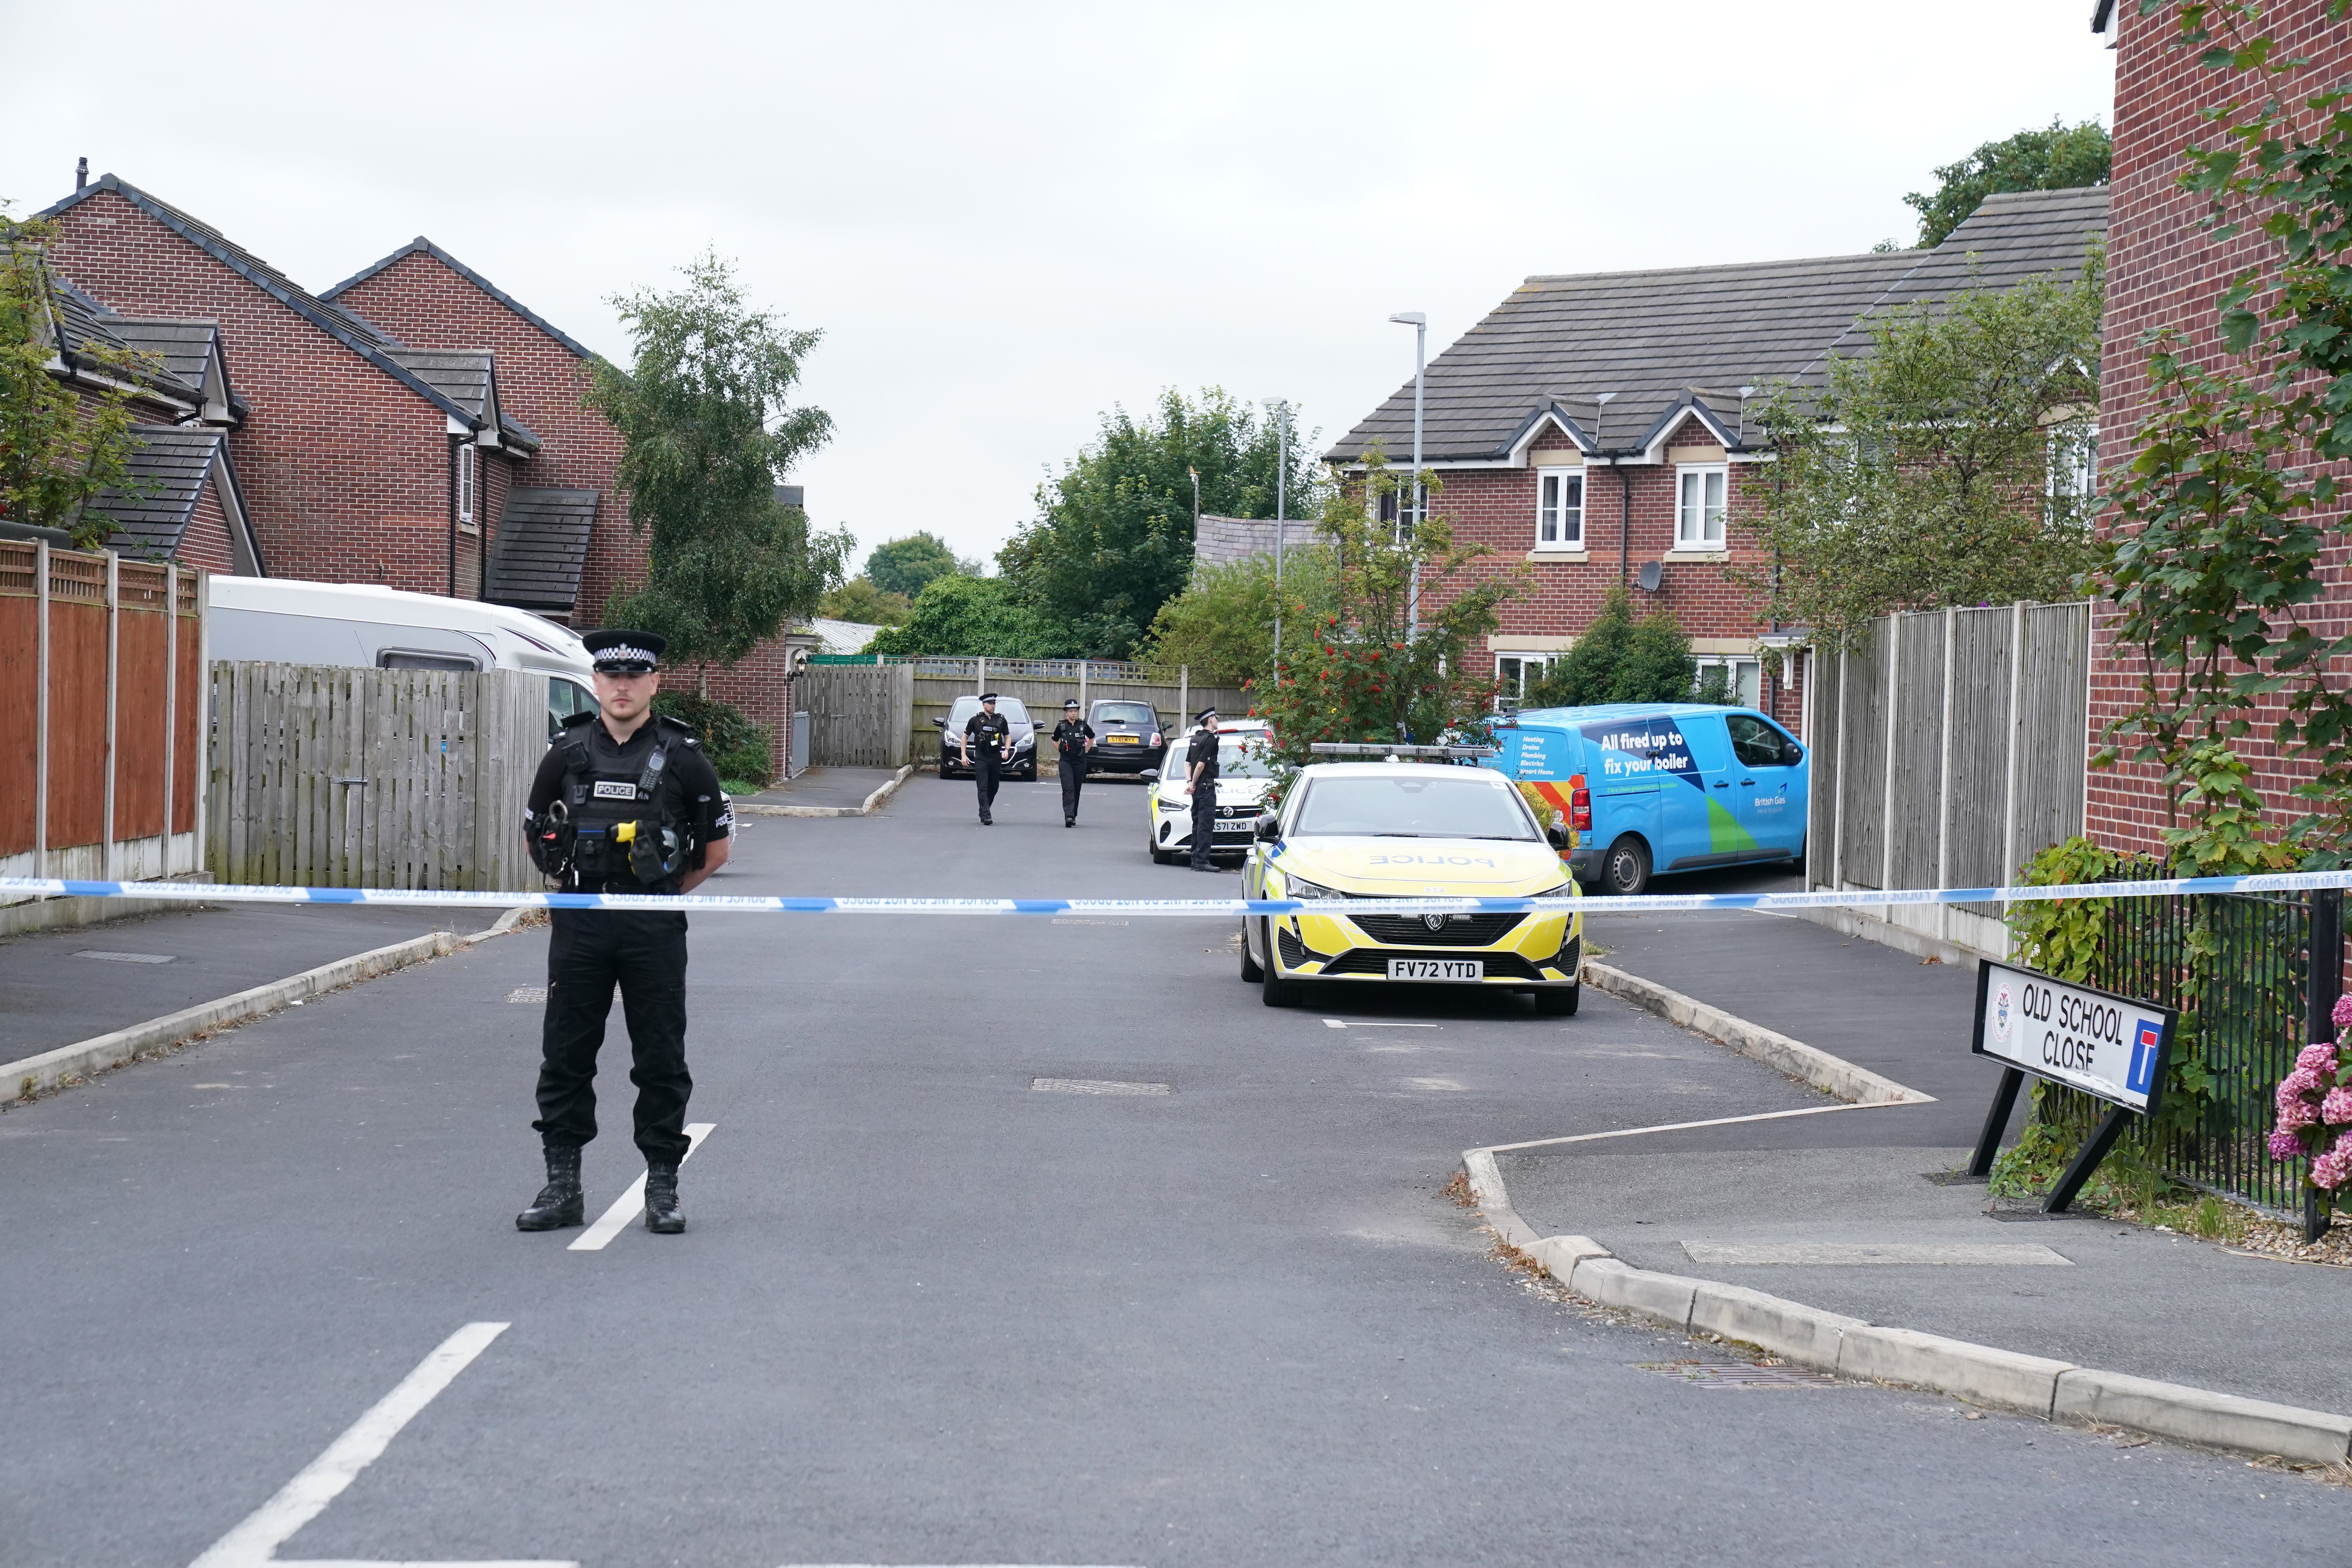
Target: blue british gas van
1658,787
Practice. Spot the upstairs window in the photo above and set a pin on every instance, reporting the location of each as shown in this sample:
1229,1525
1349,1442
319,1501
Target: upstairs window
2073,475
1560,509
1698,516
466,482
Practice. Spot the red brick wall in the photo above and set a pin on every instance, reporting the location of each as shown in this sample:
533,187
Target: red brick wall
424,303
2163,271
341,465
205,541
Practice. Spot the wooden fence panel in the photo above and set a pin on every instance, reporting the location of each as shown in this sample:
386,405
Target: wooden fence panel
1861,805
20,701
1918,753
1821,801
142,652
1978,790
327,776
2052,745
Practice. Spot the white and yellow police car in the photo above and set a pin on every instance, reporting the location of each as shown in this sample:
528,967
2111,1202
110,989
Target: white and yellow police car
1401,830
1243,780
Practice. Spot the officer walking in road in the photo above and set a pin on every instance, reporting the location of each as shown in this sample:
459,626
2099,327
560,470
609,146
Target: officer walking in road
987,732
625,802
1074,738
1201,775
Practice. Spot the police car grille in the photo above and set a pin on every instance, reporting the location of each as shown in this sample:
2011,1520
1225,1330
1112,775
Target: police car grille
1459,930
1375,961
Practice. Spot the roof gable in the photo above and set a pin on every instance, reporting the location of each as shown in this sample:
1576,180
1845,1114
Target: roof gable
353,332
421,246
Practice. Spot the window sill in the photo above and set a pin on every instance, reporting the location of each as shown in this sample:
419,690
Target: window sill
470,529
1718,555
1563,556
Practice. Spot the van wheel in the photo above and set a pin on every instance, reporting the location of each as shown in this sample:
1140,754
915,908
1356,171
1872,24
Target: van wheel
1625,870
1252,975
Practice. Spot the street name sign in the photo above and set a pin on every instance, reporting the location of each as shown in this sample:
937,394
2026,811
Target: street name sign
2105,1045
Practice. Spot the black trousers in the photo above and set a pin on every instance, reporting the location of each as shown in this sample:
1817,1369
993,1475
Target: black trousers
986,773
644,953
1204,821
1073,778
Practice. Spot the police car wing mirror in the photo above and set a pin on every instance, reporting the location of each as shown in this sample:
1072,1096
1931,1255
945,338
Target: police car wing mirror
1558,836
941,722
1151,773
1268,828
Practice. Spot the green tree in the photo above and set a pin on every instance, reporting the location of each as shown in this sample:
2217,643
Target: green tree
62,448
860,601
2061,158
960,617
1362,672
707,430
1221,627
1112,541
1621,658
1944,463
903,566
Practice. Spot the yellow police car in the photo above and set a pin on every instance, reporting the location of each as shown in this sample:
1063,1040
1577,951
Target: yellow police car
1404,830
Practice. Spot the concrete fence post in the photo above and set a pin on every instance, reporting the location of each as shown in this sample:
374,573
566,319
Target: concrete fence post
1944,774
1886,760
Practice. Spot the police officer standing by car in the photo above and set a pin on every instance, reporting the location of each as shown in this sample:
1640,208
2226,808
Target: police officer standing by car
1074,738
988,731
1201,777
625,802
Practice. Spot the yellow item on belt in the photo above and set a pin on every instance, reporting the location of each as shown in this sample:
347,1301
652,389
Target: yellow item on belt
625,834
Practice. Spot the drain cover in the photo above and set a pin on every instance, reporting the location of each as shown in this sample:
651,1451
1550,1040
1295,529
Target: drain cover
1737,1374
530,994
1097,1085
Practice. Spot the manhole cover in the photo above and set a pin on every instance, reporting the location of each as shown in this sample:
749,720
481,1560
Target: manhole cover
1097,1085
1737,1374
530,994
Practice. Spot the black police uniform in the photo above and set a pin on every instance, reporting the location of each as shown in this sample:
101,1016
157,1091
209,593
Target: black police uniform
990,734
606,785
1071,736
1203,748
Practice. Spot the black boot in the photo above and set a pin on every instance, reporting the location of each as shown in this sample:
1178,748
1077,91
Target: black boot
559,1203
662,1213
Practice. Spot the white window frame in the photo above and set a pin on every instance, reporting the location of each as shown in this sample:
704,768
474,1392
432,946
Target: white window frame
1738,664
467,478
2072,471
1567,523
1691,521
1531,667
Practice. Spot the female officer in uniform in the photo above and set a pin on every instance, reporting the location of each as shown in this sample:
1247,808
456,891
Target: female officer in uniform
625,802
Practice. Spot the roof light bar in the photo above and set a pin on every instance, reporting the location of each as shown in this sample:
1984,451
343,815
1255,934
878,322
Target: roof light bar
1374,749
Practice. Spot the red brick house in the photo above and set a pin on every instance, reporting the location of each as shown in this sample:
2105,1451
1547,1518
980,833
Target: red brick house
2163,271
1596,426
415,425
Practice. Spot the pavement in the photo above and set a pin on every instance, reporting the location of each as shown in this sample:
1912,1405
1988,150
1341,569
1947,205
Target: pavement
928,1312
2116,1297
63,985
825,786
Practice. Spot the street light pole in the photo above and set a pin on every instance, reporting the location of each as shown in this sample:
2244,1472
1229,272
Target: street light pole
1419,322
1196,506
1280,409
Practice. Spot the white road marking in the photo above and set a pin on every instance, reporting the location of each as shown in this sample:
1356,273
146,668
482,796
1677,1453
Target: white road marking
529,995
1097,1085
1681,1126
1376,1024
1864,1255
255,1543
931,1565
125,957
629,1205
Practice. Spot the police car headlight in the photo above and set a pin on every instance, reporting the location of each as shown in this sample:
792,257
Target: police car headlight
1560,891
1300,888
1170,801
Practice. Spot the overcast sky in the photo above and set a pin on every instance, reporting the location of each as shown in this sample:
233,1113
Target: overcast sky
1009,217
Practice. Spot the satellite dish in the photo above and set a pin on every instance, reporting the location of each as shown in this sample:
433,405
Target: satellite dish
1652,572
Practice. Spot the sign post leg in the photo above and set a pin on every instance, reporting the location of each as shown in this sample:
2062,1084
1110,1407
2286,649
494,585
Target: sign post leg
2086,1161
2004,1101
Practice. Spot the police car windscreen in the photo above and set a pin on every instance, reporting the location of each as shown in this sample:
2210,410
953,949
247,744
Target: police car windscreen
1243,759
1471,806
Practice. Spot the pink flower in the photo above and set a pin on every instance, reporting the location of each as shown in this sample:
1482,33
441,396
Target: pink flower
2343,1014
2331,1170
2319,1056
2295,1113
2285,1146
2337,1108
2299,1082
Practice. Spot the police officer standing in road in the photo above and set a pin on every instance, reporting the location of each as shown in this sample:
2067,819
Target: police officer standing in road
987,732
1074,738
1201,775
625,802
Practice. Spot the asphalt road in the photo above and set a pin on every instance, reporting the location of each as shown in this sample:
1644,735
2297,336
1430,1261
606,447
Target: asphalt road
927,1313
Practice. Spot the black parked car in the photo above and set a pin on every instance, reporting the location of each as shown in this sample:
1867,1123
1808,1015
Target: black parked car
1127,738
1020,729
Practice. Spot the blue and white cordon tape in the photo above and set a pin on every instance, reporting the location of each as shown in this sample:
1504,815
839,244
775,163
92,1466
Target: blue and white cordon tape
1642,904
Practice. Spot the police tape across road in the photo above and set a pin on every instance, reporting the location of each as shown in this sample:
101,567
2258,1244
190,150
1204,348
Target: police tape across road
1641,904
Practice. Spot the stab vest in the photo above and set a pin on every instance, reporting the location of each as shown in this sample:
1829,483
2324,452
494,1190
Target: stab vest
604,798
